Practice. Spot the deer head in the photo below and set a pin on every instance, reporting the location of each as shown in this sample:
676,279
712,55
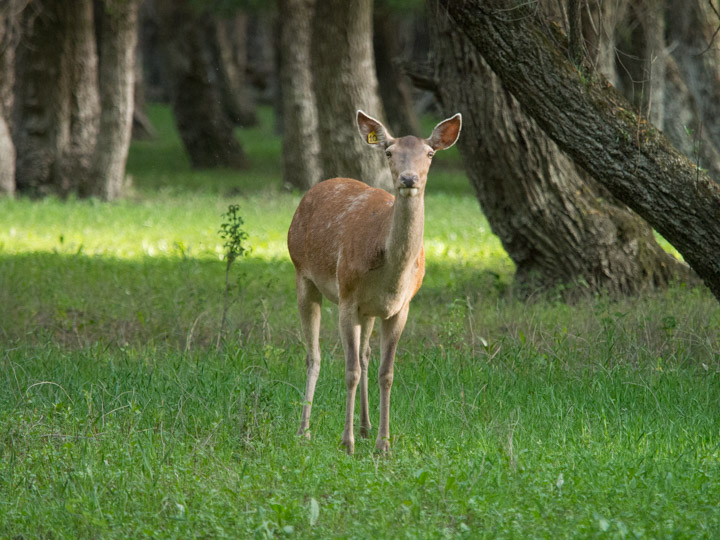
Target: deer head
409,157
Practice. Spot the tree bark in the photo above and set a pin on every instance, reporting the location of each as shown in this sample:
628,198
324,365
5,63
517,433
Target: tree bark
56,99
118,40
344,80
203,126
301,144
590,121
227,37
556,223
82,64
9,34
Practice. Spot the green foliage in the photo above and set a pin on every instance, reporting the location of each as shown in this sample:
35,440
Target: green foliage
232,232
123,416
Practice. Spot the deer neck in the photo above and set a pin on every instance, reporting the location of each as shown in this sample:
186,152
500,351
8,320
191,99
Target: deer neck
405,238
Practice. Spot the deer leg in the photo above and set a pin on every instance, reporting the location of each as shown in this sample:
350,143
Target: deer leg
350,334
391,330
309,301
366,327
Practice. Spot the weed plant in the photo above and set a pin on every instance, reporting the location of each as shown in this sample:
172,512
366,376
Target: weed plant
120,418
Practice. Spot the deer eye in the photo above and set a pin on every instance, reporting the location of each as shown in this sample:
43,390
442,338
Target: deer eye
388,153
431,153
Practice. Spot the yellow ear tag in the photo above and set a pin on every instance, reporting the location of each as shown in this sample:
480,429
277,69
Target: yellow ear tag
372,138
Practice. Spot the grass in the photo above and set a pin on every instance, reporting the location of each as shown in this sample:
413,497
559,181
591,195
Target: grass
120,418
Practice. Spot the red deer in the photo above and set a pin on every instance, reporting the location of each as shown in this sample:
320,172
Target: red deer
362,248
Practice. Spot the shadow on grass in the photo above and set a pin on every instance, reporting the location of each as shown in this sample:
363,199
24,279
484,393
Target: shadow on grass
76,299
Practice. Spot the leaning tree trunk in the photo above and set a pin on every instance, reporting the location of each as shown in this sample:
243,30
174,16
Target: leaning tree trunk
301,145
56,100
9,32
344,81
555,222
118,39
203,126
591,122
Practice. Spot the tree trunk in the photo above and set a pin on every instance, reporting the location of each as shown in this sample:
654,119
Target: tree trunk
594,124
394,86
301,144
226,38
685,126
600,22
9,33
57,104
142,127
695,46
203,126
555,222
641,45
651,76
117,71
82,64
344,80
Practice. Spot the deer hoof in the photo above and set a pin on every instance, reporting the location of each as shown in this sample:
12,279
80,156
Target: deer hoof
382,446
349,446
304,434
365,431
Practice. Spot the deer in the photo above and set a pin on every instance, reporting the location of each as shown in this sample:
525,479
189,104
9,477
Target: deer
362,248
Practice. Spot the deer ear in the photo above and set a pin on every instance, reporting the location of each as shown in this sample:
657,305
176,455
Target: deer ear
446,133
372,131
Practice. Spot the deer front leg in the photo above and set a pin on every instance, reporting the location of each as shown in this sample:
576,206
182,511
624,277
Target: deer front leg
366,327
309,302
391,330
350,334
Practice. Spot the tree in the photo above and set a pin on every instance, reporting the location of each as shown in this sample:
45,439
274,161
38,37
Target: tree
227,43
657,55
596,127
556,223
344,80
71,113
118,40
9,27
204,128
56,97
301,144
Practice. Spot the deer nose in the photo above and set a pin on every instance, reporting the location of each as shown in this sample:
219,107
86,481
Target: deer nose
408,179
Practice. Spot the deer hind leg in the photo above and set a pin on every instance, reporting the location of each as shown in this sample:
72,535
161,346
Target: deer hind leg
366,327
391,330
350,334
309,301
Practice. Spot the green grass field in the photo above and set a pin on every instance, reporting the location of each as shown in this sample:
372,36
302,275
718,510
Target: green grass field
125,411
